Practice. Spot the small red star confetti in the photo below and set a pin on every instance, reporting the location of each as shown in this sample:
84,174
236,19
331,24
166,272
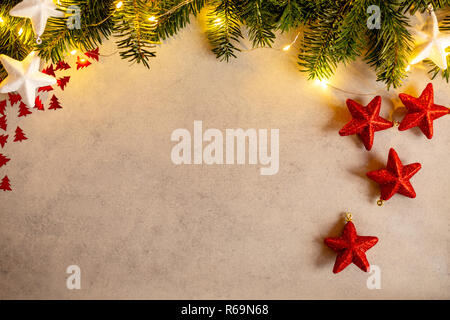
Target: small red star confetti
351,248
422,111
395,177
366,121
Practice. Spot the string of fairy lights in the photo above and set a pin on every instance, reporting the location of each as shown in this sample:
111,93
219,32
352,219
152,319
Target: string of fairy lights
324,83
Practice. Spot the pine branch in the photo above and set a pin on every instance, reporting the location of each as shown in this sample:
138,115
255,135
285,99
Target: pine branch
390,46
11,43
135,32
223,29
95,22
173,15
318,55
351,39
258,17
422,5
294,13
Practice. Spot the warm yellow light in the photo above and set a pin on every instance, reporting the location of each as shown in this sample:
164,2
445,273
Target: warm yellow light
73,52
20,31
1,20
119,4
287,47
218,21
323,83
82,60
408,68
152,19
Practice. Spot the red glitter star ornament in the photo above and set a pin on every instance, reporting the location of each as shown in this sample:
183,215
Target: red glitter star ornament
422,111
395,177
351,248
366,121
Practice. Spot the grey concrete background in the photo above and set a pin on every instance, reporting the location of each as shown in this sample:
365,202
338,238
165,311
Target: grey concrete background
94,186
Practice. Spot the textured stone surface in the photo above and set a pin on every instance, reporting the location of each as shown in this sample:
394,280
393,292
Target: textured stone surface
94,186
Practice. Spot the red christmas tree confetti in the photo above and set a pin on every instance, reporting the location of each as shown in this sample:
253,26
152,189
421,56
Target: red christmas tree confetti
14,98
54,103
5,185
82,63
2,107
19,136
3,124
38,104
62,65
3,160
49,70
62,82
23,110
45,89
93,54
3,140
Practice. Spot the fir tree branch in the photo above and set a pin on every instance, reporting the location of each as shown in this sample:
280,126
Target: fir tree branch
318,55
224,29
422,5
390,46
135,32
258,17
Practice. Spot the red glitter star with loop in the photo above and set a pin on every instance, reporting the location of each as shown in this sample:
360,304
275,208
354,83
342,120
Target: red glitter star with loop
366,121
351,248
395,177
422,111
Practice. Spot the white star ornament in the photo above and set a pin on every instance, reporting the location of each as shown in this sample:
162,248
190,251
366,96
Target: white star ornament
38,11
431,44
24,77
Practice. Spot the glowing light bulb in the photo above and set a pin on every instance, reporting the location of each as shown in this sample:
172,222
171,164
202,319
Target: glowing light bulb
323,83
119,4
218,21
73,52
83,60
152,19
1,20
408,68
287,47
20,31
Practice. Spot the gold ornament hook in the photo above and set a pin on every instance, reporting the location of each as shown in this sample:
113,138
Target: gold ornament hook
380,203
348,217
